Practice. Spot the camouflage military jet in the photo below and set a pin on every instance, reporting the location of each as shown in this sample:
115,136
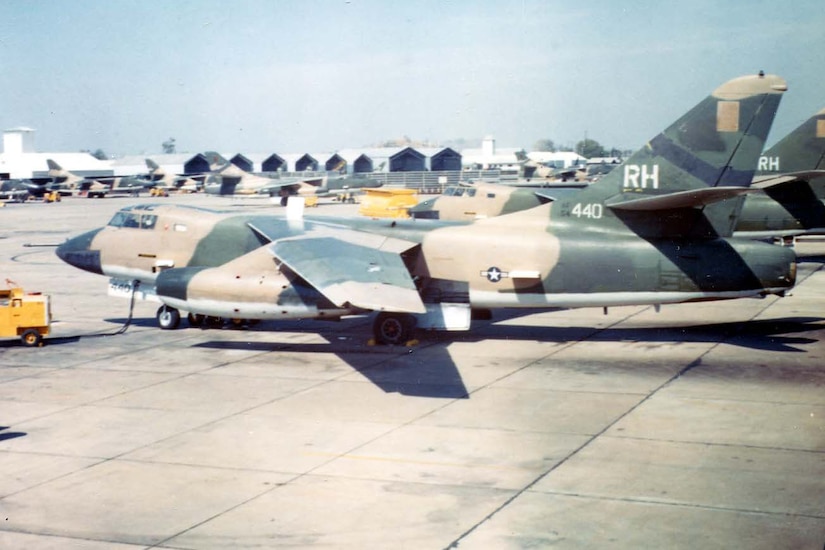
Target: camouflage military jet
158,178
232,180
530,169
656,232
792,175
68,184
791,205
16,190
474,201
119,185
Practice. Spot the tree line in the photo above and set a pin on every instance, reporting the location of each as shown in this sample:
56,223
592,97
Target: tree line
587,148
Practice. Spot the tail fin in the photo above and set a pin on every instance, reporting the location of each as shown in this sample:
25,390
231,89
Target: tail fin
152,165
54,166
684,174
800,151
215,159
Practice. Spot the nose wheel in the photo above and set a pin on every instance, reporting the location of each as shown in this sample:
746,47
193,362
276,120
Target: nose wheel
168,318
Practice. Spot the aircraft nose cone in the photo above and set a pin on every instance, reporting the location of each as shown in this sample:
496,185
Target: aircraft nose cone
78,253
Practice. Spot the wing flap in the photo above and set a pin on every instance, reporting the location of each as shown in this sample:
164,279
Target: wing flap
350,273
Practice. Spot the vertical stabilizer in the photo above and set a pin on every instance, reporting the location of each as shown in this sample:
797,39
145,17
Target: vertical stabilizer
55,170
716,144
800,151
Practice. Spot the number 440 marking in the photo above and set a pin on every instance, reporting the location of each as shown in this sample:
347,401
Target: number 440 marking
593,210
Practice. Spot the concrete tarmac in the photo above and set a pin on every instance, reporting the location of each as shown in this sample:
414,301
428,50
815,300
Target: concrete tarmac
700,426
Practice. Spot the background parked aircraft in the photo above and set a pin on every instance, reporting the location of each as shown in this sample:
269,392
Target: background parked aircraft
229,179
160,179
474,201
531,169
16,190
792,174
69,184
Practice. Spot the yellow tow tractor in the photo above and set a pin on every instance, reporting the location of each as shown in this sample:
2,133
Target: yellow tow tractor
51,196
25,316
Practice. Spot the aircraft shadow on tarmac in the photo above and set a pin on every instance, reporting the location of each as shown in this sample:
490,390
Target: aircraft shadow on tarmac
763,334
436,377
427,370
4,435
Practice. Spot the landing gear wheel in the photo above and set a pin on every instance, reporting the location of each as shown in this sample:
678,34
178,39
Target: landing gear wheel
393,328
213,322
168,318
195,319
31,338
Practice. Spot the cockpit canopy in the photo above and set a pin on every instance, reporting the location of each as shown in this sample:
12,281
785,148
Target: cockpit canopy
137,217
134,220
458,191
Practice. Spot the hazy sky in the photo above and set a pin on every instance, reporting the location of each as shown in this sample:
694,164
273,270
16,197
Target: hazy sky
318,76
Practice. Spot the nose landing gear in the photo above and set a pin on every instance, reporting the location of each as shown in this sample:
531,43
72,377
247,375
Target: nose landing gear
168,318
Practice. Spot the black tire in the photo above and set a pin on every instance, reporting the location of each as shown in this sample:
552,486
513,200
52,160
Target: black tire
211,321
168,318
31,338
195,319
393,328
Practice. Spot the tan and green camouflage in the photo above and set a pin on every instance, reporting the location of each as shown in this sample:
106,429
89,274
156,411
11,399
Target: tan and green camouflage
654,231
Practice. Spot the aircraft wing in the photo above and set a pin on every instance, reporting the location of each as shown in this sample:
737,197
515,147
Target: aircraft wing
763,182
692,198
368,275
280,183
550,194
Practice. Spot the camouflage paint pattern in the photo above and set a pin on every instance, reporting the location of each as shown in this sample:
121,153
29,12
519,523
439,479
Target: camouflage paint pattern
648,233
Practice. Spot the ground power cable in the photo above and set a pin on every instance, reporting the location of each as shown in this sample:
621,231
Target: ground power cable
126,324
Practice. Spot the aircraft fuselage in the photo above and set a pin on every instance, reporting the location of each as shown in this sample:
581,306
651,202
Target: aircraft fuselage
218,264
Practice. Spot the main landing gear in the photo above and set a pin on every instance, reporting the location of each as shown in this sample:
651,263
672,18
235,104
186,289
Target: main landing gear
388,328
169,319
393,328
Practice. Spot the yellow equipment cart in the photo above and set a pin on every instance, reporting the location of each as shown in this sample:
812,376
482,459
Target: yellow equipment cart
387,202
26,316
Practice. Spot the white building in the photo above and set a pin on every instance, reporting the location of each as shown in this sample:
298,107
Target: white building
20,160
490,157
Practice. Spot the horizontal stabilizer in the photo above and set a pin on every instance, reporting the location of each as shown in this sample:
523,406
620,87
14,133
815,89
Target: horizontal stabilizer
692,198
351,274
779,233
763,182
